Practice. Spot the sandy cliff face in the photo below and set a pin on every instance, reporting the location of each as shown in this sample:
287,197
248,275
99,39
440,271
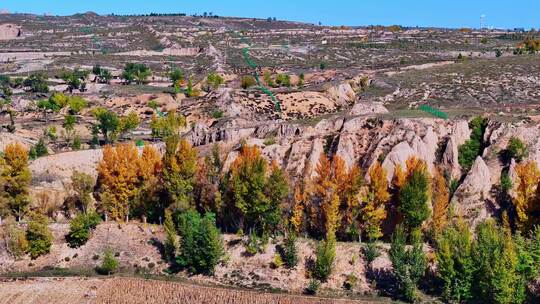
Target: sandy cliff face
362,140
9,31
359,140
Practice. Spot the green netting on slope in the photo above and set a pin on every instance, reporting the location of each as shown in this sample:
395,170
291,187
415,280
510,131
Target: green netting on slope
253,65
159,113
247,58
433,111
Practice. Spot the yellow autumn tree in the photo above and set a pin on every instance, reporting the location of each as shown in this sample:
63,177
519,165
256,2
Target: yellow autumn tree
374,199
150,164
118,179
179,169
331,212
15,179
323,190
348,190
399,178
147,202
441,202
332,184
527,196
297,209
300,198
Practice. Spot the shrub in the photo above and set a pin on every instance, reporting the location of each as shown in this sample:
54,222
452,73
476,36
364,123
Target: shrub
80,228
267,76
313,287
201,246
109,264
269,141
76,145
409,263
326,253
506,182
214,80
14,238
217,114
39,149
37,83
248,81
350,282
289,252
301,79
516,149
371,252
254,244
473,147
171,241
454,184
277,262
39,236
283,80
176,76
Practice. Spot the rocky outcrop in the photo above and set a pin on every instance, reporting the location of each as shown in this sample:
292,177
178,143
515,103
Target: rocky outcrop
460,134
368,108
472,197
9,31
398,156
343,94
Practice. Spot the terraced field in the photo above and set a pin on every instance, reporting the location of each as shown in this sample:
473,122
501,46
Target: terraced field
134,291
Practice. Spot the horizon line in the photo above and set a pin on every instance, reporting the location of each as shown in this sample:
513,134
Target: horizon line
179,14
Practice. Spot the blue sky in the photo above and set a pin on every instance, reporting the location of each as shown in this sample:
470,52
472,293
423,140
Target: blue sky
444,13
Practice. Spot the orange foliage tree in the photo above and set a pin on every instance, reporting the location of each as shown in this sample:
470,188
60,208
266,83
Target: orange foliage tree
441,202
333,186
527,194
118,179
126,178
300,199
148,202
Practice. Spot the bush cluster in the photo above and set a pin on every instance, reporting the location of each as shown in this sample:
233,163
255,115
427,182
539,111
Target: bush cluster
80,228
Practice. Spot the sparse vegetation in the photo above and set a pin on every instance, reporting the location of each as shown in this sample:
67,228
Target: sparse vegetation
247,81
